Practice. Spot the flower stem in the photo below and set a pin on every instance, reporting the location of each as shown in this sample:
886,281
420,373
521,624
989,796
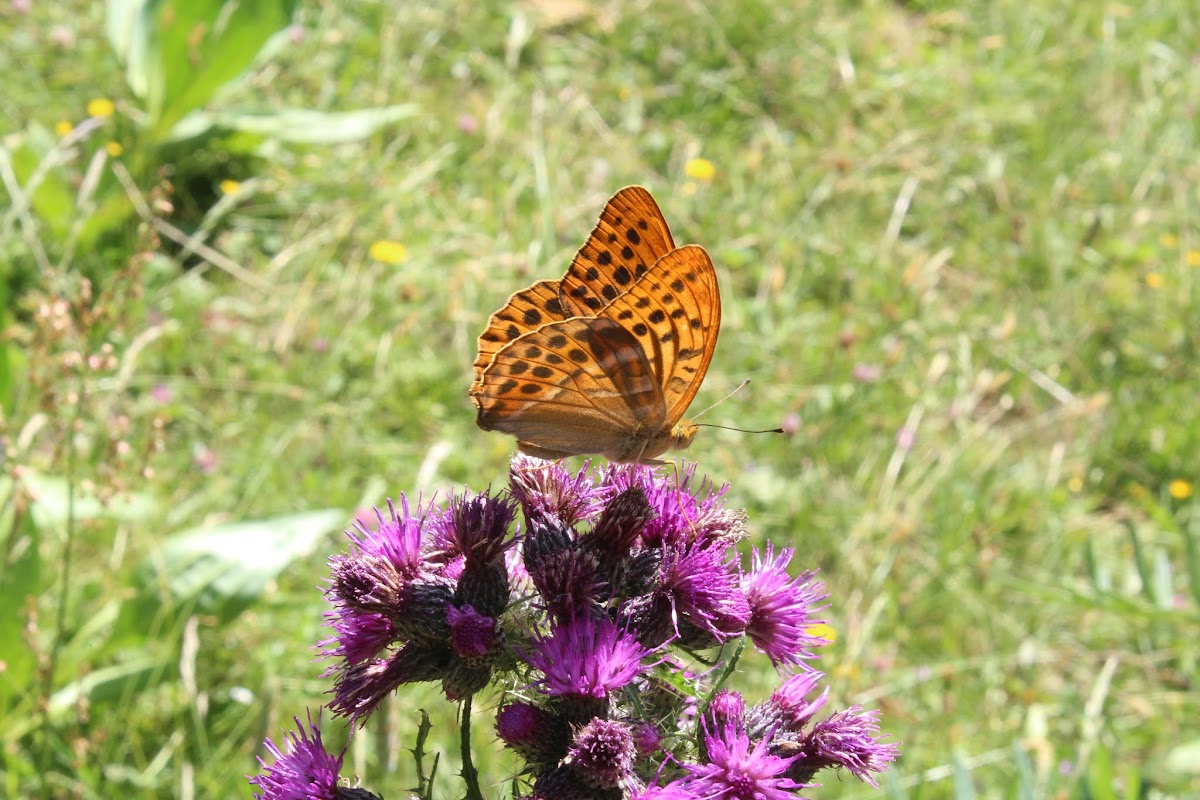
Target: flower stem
470,777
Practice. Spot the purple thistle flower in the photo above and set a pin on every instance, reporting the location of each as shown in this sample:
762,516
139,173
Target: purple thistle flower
620,526
472,635
359,688
548,492
738,769
672,791
680,514
701,586
358,635
536,734
397,539
587,658
568,584
647,738
727,707
788,707
476,528
602,753
780,607
848,739
303,770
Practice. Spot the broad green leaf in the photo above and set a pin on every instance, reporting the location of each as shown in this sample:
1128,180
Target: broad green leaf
298,125
126,23
224,568
204,44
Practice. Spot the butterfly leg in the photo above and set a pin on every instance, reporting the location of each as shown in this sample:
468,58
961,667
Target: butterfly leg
542,452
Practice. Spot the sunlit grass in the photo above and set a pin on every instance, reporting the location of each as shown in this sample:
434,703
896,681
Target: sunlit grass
959,261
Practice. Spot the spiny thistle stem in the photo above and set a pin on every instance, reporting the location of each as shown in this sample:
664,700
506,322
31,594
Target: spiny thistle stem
469,775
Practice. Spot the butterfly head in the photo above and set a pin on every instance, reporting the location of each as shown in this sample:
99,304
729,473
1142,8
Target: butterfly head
682,434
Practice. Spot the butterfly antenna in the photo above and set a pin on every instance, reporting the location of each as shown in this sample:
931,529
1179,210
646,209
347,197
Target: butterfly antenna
741,386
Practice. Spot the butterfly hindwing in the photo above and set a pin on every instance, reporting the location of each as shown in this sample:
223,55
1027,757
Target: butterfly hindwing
524,311
581,385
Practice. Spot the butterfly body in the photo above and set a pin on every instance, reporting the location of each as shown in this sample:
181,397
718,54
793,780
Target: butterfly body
606,360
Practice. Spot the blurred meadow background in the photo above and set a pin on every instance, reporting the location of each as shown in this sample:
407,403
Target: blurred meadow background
246,251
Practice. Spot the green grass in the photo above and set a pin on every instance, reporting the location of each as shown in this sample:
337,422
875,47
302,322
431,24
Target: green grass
993,203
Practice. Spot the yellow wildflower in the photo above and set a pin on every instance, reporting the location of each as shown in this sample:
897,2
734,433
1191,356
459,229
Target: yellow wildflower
823,631
1075,483
62,127
230,186
100,107
114,149
1168,240
388,252
1154,280
1193,258
700,169
1180,489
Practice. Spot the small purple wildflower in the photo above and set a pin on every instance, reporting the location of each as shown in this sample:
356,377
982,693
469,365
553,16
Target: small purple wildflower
472,635
397,539
602,753
848,739
738,769
780,607
587,658
303,769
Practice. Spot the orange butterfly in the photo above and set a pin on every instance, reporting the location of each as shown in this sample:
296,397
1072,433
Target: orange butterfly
607,359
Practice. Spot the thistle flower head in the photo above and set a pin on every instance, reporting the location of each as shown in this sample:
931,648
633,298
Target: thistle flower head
781,607
587,658
602,753
303,769
848,739
397,539
547,491
737,767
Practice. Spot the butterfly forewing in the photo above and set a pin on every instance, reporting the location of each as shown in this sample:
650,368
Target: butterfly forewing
630,236
674,312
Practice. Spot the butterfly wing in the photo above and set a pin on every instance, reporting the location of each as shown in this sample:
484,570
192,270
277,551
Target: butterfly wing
577,386
674,313
524,311
630,236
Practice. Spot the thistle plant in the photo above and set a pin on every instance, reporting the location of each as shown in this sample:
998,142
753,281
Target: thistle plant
601,614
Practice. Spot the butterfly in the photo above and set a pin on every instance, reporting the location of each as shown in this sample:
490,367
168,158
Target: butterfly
607,359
